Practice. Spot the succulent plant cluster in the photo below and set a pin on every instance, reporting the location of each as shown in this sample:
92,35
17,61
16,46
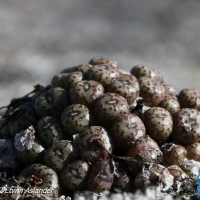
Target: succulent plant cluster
96,127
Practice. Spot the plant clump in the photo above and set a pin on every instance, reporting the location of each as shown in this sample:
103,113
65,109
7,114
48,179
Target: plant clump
98,128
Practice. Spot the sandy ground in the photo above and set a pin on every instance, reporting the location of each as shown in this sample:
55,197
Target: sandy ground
40,38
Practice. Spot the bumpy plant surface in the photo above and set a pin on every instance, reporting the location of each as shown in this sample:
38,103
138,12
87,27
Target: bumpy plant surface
96,127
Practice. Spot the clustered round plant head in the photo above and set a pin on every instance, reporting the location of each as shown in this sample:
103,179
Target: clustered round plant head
158,123
96,127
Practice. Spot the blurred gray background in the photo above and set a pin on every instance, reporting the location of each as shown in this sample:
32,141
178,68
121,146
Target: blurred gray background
39,38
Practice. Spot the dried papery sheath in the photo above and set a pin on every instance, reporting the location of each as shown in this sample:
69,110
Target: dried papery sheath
28,149
190,167
154,175
93,144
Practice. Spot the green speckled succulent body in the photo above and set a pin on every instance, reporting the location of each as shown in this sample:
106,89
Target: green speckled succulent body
49,130
126,86
76,118
189,98
83,68
169,89
86,92
40,177
170,103
52,102
145,71
152,91
59,154
193,151
158,123
110,106
66,80
102,60
186,129
126,129
74,176
103,74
